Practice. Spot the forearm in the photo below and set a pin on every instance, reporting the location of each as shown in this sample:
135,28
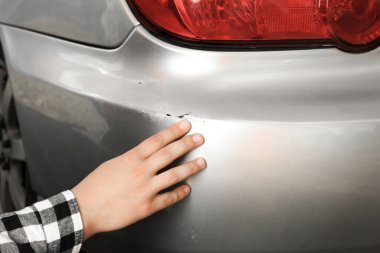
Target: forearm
51,225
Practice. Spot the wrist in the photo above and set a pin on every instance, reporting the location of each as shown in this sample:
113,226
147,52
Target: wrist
85,213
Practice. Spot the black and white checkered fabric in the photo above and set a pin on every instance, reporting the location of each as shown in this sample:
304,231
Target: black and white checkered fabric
51,225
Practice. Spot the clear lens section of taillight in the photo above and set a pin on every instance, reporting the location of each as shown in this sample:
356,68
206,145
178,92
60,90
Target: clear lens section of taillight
348,23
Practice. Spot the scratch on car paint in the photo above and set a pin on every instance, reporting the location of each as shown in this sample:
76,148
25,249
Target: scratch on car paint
159,116
194,237
148,83
181,116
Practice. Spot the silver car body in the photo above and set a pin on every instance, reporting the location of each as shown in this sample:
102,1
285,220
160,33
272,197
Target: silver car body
292,136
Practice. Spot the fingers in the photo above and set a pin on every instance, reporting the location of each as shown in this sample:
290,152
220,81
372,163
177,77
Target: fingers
163,138
171,152
178,174
167,199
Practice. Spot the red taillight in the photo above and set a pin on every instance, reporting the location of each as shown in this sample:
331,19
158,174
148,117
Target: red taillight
356,22
348,23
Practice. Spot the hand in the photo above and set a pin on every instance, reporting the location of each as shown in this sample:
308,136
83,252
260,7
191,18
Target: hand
126,189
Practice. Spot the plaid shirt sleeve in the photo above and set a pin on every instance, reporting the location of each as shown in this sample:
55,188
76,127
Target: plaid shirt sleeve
51,225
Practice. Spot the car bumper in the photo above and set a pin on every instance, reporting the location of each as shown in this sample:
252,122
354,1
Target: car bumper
292,137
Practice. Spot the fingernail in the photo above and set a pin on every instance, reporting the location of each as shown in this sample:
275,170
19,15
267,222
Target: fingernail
197,138
184,124
201,163
186,189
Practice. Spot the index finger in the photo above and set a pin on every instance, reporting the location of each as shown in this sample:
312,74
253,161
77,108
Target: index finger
162,138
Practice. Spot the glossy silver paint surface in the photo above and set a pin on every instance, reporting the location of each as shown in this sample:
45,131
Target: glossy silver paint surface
292,138
104,23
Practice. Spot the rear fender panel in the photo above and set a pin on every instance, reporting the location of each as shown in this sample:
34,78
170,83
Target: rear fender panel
292,138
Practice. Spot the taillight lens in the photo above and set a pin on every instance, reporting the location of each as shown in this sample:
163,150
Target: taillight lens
350,24
356,22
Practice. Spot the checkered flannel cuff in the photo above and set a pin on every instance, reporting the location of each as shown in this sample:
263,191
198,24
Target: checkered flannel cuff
51,225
